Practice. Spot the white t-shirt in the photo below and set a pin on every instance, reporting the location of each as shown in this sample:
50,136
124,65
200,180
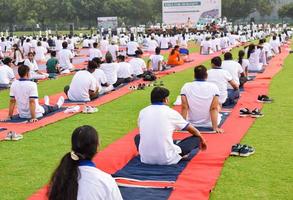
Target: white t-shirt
104,45
155,59
23,90
275,46
32,65
95,53
138,66
40,53
205,47
221,79
6,74
200,95
111,72
113,49
254,60
164,43
152,45
64,57
156,126
125,70
234,68
132,47
26,47
100,77
81,84
245,64
95,184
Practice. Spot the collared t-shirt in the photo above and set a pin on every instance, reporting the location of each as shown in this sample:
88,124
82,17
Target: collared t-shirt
138,66
234,68
22,91
200,95
155,59
95,53
111,72
95,184
64,57
81,84
156,126
125,70
6,74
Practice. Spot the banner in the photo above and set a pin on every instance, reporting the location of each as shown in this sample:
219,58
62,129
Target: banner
107,23
180,12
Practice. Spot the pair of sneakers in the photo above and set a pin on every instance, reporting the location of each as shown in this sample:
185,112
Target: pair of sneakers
161,83
12,136
89,110
140,86
245,112
242,150
264,99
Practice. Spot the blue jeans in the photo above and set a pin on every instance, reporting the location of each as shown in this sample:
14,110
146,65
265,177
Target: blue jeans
233,95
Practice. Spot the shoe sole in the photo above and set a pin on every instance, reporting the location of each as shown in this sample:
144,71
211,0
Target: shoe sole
245,155
257,116
264,101
234,154
243,115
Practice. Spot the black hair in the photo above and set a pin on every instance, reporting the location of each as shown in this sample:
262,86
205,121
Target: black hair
39,43
53,53
174,49
95,45
109,57
23,70
251,49
64,45
138,52
121,58
159,94
228,56
200,72
92,65
7,60
64,181
97,60
217,61
241,55
158,50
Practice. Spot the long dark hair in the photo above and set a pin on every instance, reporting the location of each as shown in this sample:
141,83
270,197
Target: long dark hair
241,55
251,49
64,181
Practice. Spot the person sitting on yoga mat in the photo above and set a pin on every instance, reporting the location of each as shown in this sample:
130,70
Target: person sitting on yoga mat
236,70
200,101
124,73
155,62
138,64
35,74
6,73
65,57
77,177
101,78
221,78
253,55
24,94
83,86
110,69
157,123
95,52
174,57
52,65
206,46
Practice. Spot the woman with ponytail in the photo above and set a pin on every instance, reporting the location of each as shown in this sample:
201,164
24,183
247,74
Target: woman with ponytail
253,55
76,177
243,62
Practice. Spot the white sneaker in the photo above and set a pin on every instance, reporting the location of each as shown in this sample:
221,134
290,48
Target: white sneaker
178,101
72,109
12,136
89,110
60,102
47,100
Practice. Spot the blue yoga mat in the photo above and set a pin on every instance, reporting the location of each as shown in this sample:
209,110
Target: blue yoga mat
225,116
129,193
3,129
17,119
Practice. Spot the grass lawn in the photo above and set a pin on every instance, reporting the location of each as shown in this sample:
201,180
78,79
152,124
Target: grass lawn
268,174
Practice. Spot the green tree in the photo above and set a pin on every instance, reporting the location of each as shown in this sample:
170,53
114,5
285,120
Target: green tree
286,11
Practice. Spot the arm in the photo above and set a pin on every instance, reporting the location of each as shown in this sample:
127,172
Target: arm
193,131
148,64
93,93
214,111
234,85
159,66
11,107
32,105
185,107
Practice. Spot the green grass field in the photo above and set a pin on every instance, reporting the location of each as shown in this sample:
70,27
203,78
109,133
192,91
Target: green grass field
27,165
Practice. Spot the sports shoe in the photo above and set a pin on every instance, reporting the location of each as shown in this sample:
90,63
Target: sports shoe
72,109
246,151
47,100
89,110
256,113
244,112
12,136
264,99
60,102
235,151
178,101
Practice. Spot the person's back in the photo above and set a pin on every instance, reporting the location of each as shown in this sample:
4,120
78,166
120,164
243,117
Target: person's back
64,58
40,52
233,67
152,45
111,71
156,61
125,70
132,46
6,75
113,49
95,52
81,84
52,65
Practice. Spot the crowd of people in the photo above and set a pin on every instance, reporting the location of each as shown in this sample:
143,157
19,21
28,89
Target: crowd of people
109,67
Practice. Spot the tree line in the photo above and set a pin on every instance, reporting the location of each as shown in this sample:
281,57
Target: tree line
51,13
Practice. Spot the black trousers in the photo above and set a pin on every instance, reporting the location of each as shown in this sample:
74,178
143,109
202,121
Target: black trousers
50,109
186,145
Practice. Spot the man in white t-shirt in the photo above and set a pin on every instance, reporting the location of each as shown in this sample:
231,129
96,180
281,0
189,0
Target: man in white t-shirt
275,45
200,101
83,86
34,69
65,57
124,73
138,64
157,123
24,94
6,73
95,52
110,69
221,78
152,45
205,46
164,42
104,43
27,47
236,70
155,62
132,46
113,49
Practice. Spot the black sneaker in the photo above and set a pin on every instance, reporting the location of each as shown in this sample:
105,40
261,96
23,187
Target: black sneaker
235,151
161,83
264,99
256,113
246,151
244,112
